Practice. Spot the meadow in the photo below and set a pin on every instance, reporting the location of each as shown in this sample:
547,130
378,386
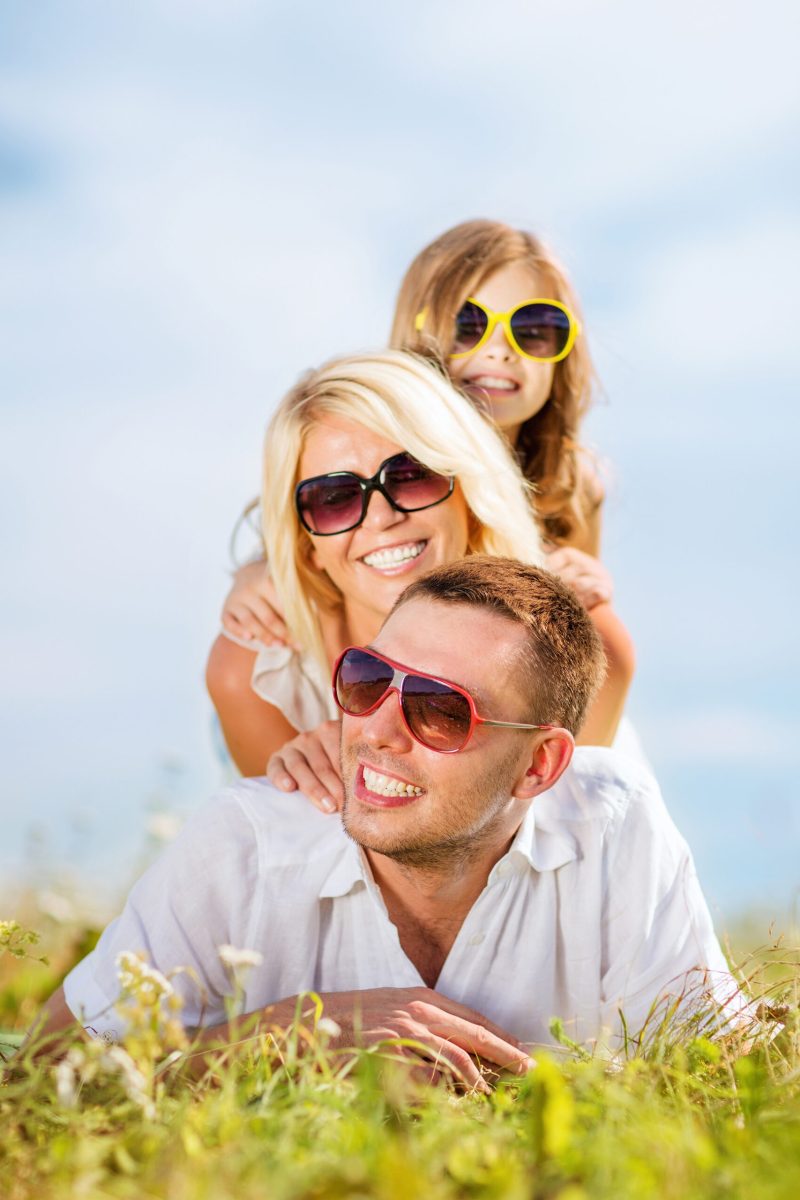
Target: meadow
283,1115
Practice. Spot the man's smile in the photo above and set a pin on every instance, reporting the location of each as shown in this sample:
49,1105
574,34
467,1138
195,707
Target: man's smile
382,790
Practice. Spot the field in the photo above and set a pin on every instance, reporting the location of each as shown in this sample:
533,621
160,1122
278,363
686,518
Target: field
286,1117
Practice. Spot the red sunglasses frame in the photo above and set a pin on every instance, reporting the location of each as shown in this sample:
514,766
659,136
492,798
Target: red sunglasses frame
400,674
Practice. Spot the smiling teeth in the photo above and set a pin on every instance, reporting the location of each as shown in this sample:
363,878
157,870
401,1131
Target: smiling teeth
494,382
393,555
384,785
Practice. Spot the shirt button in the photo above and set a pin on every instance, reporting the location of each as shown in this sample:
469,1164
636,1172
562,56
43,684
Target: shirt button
476,939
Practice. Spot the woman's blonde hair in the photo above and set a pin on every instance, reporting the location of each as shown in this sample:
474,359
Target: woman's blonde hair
410,402
437,283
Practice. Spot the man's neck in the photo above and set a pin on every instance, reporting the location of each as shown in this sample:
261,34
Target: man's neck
429,903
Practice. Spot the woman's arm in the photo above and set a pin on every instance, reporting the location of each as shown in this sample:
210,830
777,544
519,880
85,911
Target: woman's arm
602,720
253,728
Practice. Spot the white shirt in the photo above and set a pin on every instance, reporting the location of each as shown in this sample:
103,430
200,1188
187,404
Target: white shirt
595,906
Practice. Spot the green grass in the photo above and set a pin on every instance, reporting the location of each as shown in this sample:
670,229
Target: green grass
688,1118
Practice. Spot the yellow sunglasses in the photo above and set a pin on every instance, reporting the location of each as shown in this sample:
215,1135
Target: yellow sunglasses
544,330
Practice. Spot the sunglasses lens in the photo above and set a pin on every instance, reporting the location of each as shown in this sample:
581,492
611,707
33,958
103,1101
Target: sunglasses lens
361,681
541,330
411,486
439,716
471,323
330,505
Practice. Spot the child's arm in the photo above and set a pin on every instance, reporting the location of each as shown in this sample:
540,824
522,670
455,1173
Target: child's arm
251,610
253,728
584,573
578,564
602,720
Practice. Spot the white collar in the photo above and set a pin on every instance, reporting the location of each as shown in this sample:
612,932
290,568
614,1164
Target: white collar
539,843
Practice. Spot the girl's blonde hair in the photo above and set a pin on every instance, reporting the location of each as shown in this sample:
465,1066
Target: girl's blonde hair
410,402
438,282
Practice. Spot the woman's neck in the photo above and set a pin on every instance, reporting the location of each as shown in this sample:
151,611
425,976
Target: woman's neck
350,625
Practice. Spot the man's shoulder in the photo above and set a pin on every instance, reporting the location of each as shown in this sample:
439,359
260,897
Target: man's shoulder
284,830
605,785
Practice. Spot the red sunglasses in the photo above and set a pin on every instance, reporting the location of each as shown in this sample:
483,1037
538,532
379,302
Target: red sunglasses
438,714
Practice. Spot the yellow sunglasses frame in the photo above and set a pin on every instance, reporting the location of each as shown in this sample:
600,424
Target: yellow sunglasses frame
504,318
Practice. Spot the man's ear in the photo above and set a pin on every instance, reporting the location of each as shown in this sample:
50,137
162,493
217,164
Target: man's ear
550,757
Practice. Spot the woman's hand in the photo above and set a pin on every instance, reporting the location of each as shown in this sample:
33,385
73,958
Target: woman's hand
584,573
309,763
251,610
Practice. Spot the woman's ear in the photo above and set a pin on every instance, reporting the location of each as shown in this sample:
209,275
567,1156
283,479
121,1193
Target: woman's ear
551,754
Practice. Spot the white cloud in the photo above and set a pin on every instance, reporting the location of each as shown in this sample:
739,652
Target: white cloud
728,736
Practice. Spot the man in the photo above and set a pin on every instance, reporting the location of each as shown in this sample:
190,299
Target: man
474,889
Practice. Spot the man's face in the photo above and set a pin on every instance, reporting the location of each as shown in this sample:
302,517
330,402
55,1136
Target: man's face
452,804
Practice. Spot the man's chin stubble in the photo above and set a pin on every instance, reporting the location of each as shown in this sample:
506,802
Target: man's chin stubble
448,853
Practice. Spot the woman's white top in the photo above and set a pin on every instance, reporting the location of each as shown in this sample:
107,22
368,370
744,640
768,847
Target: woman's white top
296,684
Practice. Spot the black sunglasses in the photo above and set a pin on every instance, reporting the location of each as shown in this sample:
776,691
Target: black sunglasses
337,502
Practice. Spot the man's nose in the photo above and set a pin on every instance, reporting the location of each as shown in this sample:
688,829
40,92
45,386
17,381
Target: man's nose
384,729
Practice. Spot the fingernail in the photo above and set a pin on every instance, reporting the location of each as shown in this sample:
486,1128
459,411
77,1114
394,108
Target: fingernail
287,783
328,804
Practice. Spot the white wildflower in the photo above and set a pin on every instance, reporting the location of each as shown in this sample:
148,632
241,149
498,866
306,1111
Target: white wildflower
118,1060
328,1027
56,906
66,1080
164,826
135,974
236,959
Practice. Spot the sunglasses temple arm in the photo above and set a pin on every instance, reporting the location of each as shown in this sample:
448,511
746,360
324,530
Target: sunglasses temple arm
513,724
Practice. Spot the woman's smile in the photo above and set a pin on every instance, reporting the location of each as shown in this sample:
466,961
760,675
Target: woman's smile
395,558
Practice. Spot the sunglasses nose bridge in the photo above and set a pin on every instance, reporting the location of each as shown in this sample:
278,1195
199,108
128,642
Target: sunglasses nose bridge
381,513
498,337
376,729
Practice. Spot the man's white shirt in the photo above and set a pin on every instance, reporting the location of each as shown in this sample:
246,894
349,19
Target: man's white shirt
595,908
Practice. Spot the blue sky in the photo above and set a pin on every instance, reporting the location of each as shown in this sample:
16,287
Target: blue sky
200,199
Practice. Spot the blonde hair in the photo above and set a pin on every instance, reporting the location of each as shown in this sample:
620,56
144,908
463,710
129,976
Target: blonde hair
438,281
410,402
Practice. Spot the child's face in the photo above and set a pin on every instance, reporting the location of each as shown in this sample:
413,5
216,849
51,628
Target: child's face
512,387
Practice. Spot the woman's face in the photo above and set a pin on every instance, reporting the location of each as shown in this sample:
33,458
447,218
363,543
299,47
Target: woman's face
512,387
372,564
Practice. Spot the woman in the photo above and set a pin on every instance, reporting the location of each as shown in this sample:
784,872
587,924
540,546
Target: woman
343,438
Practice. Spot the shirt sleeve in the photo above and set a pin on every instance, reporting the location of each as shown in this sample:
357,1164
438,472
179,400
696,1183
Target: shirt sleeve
196,897
661,957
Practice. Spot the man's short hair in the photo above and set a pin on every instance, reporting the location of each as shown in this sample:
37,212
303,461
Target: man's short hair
565,663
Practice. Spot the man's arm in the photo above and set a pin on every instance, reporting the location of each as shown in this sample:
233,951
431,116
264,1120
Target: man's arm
658,936
450,1037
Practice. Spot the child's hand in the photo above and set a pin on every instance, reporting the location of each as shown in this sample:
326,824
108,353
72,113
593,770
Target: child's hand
309,763
585,574
251,610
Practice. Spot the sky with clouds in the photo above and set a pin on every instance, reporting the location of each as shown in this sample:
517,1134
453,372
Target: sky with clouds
201,198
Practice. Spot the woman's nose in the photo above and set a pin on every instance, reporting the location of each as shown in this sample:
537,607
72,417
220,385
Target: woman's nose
380,513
